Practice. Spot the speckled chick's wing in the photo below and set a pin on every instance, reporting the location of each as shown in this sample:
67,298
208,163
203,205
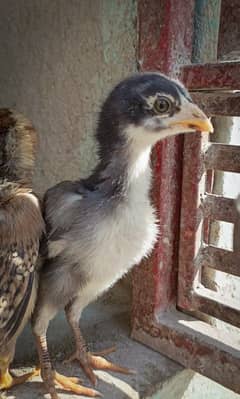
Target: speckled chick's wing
21,227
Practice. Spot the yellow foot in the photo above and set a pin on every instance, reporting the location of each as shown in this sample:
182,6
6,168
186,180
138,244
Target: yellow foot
71,384
8,380
90,361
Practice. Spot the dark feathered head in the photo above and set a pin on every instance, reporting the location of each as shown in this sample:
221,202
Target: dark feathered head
145,108
17,147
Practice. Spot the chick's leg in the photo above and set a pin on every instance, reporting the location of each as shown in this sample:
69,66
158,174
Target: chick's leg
88,360
49,375
52,377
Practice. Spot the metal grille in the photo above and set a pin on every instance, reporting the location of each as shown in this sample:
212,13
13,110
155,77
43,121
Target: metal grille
166,40
199,205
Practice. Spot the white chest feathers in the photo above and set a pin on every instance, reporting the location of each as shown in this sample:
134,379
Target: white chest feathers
124,238
120,243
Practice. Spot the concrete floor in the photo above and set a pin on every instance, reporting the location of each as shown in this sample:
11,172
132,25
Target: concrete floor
104,324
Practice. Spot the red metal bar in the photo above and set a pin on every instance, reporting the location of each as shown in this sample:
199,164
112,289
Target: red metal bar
223,157
196,345
194,179
229,32
219,259
213,304
217,207
218,103
160,48
221,76
165,34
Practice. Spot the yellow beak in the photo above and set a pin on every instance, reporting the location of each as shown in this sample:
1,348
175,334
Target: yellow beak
202,125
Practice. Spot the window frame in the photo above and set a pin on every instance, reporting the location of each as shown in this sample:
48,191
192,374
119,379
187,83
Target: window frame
166,43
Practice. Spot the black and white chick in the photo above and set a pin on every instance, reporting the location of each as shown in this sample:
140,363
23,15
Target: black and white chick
21,228
100,227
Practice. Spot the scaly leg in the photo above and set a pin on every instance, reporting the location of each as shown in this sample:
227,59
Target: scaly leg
51,377
88,360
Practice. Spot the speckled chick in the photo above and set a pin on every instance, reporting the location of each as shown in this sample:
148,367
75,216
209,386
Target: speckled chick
21,226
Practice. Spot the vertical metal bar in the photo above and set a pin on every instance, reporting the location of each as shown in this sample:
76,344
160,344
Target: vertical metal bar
206,26
206,222
193,188
165,43
195,180
229,32
236,235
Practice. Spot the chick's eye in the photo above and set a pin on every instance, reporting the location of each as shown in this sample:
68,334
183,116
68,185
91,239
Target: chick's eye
162,105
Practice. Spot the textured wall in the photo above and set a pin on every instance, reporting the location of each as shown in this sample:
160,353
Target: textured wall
58,60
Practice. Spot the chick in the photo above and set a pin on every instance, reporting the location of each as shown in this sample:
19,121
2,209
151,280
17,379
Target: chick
100,227
21,226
